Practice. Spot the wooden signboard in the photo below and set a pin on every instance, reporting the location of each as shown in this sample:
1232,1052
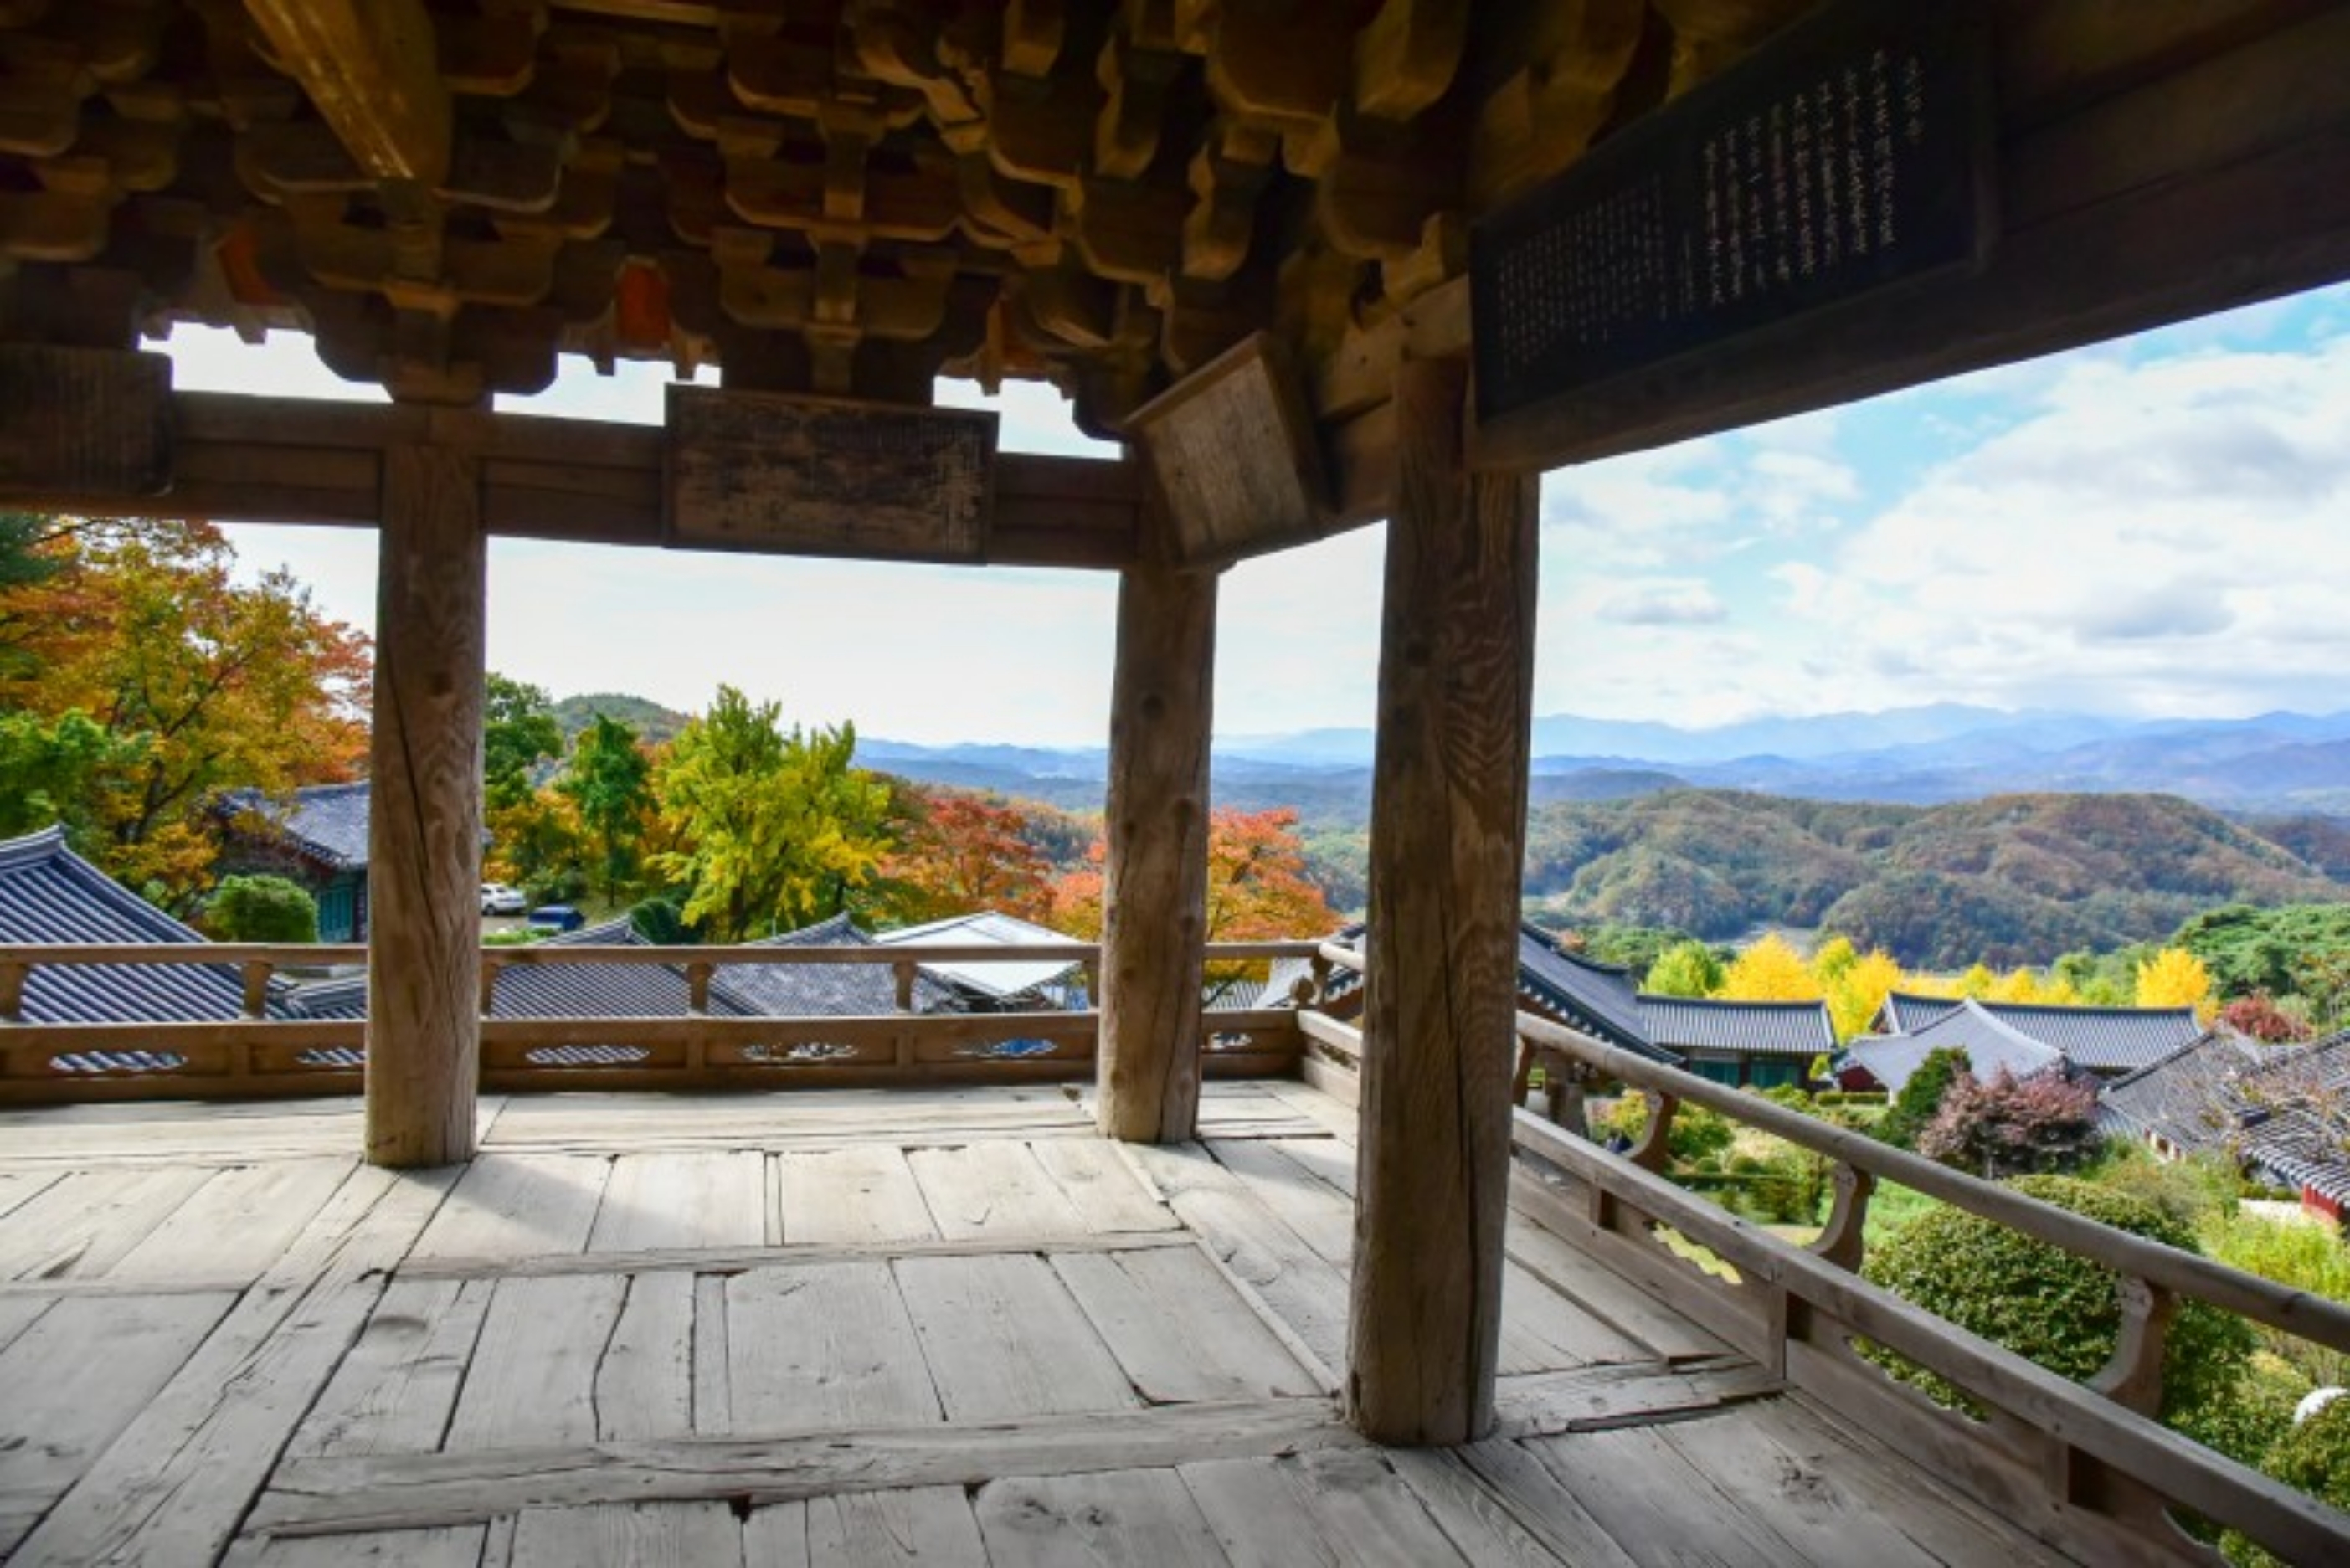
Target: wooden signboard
1233,451
1849,154
819,476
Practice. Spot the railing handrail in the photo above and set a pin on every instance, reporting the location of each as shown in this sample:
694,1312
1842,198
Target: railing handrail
320,954
2297,1312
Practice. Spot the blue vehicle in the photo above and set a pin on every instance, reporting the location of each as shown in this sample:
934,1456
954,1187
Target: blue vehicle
562,916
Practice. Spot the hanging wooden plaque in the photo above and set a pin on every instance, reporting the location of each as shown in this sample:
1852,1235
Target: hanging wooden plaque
819,476
1851,153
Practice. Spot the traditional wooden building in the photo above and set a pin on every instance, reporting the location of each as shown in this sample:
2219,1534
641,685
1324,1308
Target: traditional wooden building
1312,264
316,837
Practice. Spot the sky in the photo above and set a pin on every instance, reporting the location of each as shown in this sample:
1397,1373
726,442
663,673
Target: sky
2156,527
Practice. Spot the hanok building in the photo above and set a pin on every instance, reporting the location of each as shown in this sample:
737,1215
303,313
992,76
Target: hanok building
2282,1111
1312,264
2022,1038
316,837
2106,1041
1757,1045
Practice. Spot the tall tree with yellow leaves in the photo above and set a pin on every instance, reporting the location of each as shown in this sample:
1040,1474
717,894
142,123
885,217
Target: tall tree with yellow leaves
1770,970
1859,990
2175,977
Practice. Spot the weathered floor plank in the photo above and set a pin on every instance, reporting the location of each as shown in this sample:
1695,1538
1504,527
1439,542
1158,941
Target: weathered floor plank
629,1535
172,1487
1005,1340
1340,1507
826,1345
644,1385
1295,1282
417,1491
1081,1522
1657,1505
456,1546
1834,1499
930,1526
74,1380
533,1378
863,1193
518,1205
394,1392
1177,1329
85,1223
236,1224
686,1198
1101,1186
985,1190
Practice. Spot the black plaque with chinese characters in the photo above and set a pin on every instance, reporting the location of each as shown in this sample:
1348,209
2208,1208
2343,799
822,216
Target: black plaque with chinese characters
1850,153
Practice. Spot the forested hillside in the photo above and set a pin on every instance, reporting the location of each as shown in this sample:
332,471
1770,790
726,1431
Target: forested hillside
2011,879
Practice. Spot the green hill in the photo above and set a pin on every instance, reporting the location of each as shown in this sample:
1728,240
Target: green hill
2010,879
652,722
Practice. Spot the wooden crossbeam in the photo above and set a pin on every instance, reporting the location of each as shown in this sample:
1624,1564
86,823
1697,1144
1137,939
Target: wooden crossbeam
290,459
370,67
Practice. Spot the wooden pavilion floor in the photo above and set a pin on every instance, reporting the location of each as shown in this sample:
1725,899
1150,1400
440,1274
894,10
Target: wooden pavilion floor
949,1326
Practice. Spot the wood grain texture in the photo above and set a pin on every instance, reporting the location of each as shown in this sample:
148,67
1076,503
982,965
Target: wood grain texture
682,1200
752,471
84,419
370,67
1447,832
824,1346
1233,451
394,1391
862,1193
424,827
1005,1341
629,1535
1155,879
1077,1522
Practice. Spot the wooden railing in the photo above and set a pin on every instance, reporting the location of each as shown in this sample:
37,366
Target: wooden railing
2085,1465
255,1054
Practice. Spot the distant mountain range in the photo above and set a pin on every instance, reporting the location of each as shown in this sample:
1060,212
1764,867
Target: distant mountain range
2276,763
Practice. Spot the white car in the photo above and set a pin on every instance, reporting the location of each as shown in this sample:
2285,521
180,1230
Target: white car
497,899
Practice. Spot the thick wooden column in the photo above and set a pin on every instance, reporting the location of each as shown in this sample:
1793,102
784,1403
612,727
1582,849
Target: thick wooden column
1447,831
424,832
1154,898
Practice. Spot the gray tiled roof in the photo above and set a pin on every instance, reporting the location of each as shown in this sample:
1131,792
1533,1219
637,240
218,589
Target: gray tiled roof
1744,1028
2283,1110
553,991
1596,998
1988,1041
827,990
2101,1039
328,823
2185,1098
49,894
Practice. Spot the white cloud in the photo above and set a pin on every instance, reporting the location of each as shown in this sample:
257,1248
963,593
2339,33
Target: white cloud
1663,604
2160,537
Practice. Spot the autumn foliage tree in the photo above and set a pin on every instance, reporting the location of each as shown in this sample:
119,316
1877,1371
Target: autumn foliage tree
958,853
143,677
2009,1126
2174,978
1770,970
774,828
1257,887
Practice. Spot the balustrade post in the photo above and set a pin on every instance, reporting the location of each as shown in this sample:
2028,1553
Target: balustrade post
491,968
1654,1151
2132,1375
11,992
1841,1242
255,975
904,971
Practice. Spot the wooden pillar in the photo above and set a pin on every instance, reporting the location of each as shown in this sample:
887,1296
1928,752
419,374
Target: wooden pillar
1155,887
1447,831
424,832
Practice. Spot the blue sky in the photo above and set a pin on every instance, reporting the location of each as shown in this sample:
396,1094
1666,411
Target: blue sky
2154,527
